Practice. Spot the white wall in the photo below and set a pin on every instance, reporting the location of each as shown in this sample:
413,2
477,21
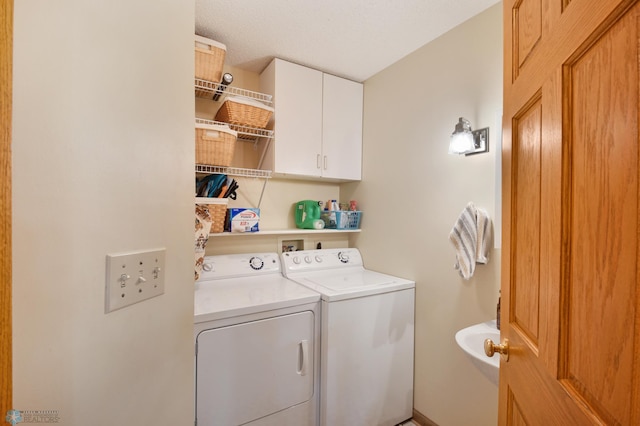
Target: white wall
102,163
412,192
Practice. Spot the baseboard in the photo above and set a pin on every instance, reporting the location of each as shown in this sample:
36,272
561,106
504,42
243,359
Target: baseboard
421,419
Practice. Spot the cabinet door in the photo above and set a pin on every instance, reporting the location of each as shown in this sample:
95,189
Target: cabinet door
341,128
298,118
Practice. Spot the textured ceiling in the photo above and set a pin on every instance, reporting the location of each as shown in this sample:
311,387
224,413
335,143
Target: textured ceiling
354,39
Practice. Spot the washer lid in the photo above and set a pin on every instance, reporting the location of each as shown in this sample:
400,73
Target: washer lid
217,299
348,284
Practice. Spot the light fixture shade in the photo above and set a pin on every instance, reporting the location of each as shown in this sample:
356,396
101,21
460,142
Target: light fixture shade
461,140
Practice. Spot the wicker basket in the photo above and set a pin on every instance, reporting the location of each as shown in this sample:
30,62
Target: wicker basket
244,112
209,59
217,210
215,145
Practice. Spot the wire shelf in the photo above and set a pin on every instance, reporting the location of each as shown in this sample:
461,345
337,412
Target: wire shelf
245,133
207,89
233,171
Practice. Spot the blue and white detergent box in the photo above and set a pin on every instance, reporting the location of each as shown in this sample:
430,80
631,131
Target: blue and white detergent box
243,220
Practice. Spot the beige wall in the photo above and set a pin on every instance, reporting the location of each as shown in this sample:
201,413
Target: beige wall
102,163
412,192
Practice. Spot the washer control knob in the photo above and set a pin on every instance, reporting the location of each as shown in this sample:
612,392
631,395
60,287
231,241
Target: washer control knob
256,263
296,260
344,257
308,259
208,267
318,259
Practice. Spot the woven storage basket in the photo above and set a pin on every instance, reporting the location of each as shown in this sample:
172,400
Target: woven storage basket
217,210
215,144
244,112
209,59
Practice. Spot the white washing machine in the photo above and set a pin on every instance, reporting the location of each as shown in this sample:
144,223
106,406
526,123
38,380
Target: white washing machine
256,344
366,373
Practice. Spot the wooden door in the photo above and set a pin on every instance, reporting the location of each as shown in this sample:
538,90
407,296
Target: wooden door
571,230
6,49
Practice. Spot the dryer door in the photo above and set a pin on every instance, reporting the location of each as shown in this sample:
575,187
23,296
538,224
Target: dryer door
251,370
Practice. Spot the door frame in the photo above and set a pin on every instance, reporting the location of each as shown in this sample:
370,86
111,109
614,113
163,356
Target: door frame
6,81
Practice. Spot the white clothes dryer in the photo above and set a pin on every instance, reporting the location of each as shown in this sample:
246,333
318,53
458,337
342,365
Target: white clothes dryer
256,344
367,343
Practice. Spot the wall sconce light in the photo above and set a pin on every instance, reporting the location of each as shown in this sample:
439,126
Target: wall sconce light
466,141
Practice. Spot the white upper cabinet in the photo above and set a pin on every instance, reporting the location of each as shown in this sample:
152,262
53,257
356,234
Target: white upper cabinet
297,92
341,128
317,122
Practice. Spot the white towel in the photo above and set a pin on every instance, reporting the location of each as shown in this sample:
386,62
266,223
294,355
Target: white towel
471,238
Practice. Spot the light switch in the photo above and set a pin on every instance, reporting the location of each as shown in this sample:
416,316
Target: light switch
133,277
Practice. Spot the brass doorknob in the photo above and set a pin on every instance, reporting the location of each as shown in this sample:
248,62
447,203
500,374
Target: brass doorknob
491,348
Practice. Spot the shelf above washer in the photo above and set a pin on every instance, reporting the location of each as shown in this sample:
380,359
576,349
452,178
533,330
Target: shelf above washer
285,232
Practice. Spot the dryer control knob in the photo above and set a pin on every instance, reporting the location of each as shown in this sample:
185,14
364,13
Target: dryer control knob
307,259
318,259
296,260
344,257
256,263
208,267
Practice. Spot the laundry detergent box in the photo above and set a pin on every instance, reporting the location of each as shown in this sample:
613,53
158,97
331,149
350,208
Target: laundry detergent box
242,220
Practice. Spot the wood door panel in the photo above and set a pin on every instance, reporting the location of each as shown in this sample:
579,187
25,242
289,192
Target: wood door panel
527,29
515,415
602,280
562,31
527,381
526,205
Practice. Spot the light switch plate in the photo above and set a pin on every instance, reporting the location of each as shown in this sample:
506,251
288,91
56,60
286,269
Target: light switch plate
133,277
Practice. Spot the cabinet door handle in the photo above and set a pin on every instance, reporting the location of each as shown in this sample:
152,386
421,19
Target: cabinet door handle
318,161
325,162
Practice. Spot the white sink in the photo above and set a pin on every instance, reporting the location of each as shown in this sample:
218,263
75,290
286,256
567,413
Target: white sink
471,340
